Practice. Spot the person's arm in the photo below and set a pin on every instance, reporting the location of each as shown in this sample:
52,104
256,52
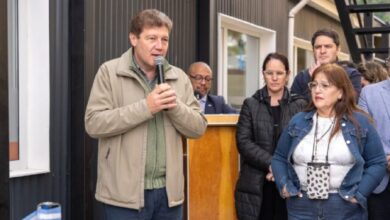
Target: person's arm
186,117
254,154
375,163
363,100
280,163
103,118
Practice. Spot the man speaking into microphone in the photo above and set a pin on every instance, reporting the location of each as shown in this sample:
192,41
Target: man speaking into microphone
140,168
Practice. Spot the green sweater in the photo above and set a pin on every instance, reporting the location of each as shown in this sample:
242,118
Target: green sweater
155,150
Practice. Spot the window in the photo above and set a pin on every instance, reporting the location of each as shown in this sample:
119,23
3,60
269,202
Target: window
303,56
29,86
240,57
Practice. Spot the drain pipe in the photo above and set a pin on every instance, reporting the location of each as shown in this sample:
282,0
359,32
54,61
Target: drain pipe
290,37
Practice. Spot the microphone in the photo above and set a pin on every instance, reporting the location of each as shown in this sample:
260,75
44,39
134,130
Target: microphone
159,61
197,95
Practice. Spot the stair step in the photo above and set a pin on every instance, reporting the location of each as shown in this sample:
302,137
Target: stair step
369,8
372,30
374,50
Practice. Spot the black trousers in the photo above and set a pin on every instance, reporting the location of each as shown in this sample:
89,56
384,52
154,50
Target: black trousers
379,205
273,206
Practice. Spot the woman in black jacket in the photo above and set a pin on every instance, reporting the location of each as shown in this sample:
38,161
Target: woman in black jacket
262,118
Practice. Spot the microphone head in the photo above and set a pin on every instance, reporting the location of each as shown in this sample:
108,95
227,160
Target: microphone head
159,60
197,94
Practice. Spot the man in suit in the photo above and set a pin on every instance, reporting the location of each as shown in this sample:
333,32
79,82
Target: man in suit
375,100
201,78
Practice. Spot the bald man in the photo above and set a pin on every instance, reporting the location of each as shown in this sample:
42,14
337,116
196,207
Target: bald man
201,78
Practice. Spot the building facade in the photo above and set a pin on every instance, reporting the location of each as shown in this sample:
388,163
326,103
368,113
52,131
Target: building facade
52,50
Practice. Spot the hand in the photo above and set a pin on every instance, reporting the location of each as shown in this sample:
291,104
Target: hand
388,162
353,200
270,176
313,67
285,193
162,97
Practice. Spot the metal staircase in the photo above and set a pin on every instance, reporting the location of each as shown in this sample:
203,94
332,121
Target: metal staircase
360,37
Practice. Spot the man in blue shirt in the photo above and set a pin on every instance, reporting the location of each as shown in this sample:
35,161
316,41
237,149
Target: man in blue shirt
375,100
201,78
326,47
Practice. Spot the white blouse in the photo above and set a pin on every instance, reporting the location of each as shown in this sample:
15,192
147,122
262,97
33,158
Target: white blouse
339,157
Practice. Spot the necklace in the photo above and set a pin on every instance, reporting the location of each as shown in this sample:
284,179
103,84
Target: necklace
323,135
316,140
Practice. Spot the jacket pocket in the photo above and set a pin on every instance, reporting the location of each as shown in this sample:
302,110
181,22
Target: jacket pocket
360,136
115,180
293,131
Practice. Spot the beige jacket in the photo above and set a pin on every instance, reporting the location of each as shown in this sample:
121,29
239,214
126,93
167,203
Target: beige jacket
117,114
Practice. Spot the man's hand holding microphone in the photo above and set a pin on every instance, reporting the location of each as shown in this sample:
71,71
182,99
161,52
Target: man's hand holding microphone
162,96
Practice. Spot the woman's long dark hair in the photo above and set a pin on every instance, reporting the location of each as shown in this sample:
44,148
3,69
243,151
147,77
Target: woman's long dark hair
337,76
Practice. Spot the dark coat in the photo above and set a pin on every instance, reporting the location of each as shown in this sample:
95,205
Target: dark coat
216,105
300,86
256,143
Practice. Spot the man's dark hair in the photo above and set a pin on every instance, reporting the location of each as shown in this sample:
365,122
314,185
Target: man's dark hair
149,18
326,32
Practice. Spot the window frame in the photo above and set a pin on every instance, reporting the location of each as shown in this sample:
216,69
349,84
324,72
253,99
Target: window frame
13,120
34,88
267,43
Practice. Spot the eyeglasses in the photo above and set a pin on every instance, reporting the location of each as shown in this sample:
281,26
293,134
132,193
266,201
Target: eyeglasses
323,86
270,73
199,78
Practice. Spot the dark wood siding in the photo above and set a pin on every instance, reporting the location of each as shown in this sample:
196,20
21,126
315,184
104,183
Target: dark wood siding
270,14
107,29
309,20
85,33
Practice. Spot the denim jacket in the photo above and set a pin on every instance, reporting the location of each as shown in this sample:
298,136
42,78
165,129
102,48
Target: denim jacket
361,179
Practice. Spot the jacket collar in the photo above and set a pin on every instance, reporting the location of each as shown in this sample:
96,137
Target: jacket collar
126,67
262,95
310,114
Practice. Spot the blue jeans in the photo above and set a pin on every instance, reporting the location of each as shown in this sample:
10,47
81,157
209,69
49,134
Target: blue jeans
333,208
156,208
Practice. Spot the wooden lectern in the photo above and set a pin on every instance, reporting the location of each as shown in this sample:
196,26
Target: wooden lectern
213,166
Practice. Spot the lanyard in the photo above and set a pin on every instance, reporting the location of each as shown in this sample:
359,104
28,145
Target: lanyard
316,140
